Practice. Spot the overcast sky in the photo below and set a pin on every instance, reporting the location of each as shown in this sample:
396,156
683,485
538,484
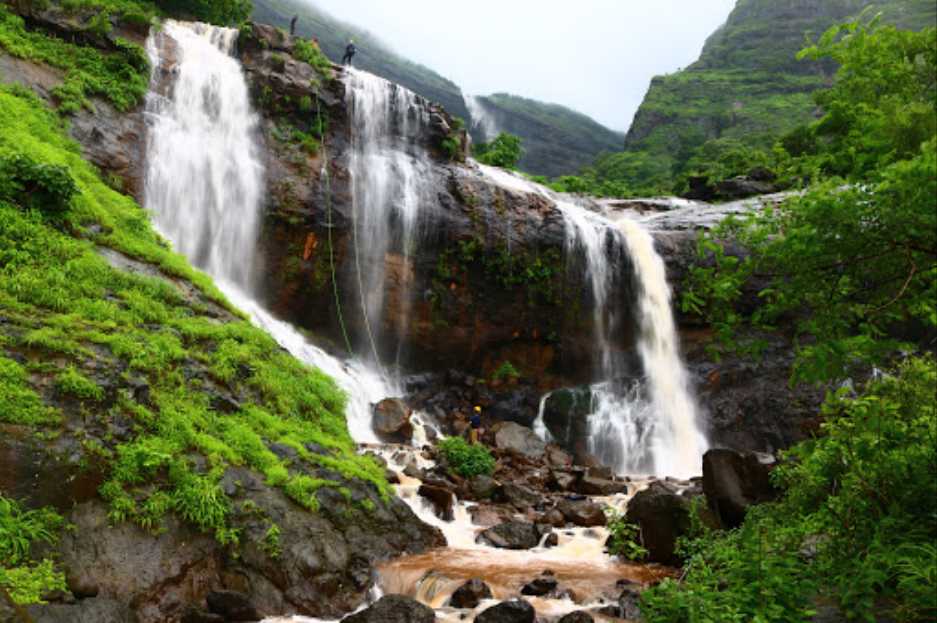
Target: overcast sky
595,56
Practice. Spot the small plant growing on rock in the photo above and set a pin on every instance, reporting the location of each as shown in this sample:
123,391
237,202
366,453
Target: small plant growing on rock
624,538
465,459
506,372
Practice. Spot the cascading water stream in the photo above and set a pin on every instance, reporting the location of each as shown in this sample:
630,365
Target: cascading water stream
390,178
650,428
482,121
204,183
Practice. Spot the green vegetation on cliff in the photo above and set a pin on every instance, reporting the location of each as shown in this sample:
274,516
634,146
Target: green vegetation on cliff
166,385
747,86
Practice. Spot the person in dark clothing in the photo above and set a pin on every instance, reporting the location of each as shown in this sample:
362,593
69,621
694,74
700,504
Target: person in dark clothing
350,51
476,424
293,25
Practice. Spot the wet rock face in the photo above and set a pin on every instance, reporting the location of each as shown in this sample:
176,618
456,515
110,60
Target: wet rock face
733,481
519,439
585,513
394,609
508,612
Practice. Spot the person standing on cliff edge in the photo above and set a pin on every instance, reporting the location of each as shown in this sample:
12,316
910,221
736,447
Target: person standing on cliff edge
293,25
350,51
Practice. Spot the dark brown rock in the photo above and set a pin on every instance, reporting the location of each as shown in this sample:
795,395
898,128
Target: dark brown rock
540,587
579,616
585,513
232,605
441,499
590,485
663,516
392,421
511,535
470,594
734,481
393,609
518,611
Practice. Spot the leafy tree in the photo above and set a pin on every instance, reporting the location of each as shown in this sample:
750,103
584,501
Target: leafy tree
504,151
852,263
855,524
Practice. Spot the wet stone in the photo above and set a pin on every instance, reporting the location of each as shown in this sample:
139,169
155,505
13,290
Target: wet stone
470,594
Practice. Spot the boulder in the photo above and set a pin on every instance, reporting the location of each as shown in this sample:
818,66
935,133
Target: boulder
562,481
579,616
585,513
511,535
232,606
391,421
85,611
393,609
734,481
518,611
540,587
628,606
662,515
482,487
591,485
519,439
470,594
519,496
441,500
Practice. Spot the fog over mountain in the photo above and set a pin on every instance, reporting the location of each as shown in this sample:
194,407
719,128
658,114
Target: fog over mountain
595,56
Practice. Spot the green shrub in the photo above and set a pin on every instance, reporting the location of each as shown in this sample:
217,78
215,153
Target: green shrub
34,185
504,151
506,371
624,538
465,459
71,381
308,52
27,580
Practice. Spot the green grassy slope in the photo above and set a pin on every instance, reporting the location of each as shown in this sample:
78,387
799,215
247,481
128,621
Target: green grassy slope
746,85
114,344
556,140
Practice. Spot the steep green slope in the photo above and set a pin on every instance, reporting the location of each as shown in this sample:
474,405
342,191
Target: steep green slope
556,140
373,55
747,84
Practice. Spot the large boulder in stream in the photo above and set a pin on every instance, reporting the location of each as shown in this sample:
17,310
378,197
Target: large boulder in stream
393,609
470,594
582,512
518,611
391,420
733,481
513,535
663,515
512,437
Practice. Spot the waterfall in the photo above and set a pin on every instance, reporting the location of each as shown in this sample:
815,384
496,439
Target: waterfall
204,184
482,122
390,181
649,428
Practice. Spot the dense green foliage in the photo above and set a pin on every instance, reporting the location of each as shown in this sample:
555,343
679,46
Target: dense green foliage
465,459
853,261
856,524
119,75
309,52
79,318
624,538
224,12
504,151
25,579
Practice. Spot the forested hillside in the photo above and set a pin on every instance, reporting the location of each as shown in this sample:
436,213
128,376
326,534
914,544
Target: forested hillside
746,88
556,140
